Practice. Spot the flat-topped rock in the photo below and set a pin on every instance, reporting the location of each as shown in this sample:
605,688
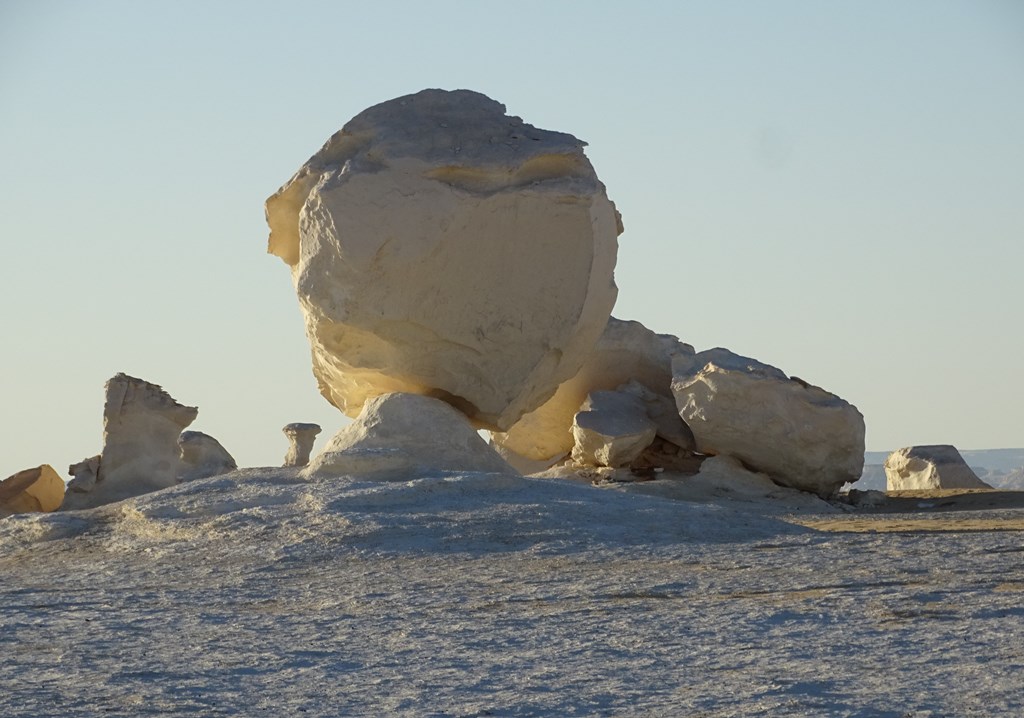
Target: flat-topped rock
937,466
301,437
441,247
611,429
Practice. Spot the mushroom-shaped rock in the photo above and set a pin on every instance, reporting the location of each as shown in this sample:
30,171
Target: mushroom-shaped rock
800,435
441,247
938,466
627,351
83,475
202,456
31,490
141,425
611,429
300,442
403,436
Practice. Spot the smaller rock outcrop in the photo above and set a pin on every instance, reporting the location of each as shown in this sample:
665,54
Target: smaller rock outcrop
611,429
801,435
32,490
300,442
938,466
83,475
400,437
141,425
202,456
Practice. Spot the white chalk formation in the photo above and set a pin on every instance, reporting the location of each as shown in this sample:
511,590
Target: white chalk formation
800,435
39,489
399,436
626,351
202,456
441,247
83,475
301,438
937,466
611,429
141,425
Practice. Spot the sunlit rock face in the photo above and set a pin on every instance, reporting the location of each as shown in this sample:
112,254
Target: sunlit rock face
939,466
441,247
39,489
800,435
626,351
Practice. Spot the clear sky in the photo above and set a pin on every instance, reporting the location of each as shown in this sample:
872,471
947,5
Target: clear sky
833,188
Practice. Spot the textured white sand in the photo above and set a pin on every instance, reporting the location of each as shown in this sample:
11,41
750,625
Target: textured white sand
258,593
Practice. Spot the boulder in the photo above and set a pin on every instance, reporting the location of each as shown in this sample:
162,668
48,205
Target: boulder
800,435
300,442
202,456
37,489
441,247
939,466
141,425
401,437
611,429
627,351
83,475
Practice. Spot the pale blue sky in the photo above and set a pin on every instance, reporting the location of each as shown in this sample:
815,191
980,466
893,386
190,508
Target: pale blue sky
834,188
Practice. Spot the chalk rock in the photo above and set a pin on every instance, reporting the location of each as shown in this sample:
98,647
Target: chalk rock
611,429
800,435
404,436
141,425
37,489
300,442
83,475
440,247
202,456
940,466
627,351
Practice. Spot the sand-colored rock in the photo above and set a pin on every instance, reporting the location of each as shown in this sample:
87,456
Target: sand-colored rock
401,437
301,438
39,489
938,466
627,351
141,425
83,475
202,456
611,429
800,435
440,247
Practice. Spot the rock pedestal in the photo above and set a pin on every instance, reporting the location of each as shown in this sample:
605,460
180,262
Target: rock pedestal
301,438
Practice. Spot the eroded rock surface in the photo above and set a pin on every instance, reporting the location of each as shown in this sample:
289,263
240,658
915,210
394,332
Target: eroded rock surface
39,489
627,351
937,466
441,247
202,456
799,434
141,425
403,436
83,475
301,438
611,429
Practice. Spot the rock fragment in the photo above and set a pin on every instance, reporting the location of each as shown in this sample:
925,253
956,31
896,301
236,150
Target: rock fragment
39,489
611,429
441,247
300,442
937,466
202,456
83,475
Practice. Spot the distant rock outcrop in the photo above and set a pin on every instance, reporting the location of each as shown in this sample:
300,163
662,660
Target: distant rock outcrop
401,436
141,425
301,438
39,489
441,247
202,456
938,466
800,435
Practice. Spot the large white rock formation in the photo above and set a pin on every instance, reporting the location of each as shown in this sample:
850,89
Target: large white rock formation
800,435
301,437
940,466
202,456
611,429
402,436
441,247
627,351
141,425
37,489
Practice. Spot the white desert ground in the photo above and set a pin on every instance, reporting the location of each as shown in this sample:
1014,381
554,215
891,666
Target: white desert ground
263,593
